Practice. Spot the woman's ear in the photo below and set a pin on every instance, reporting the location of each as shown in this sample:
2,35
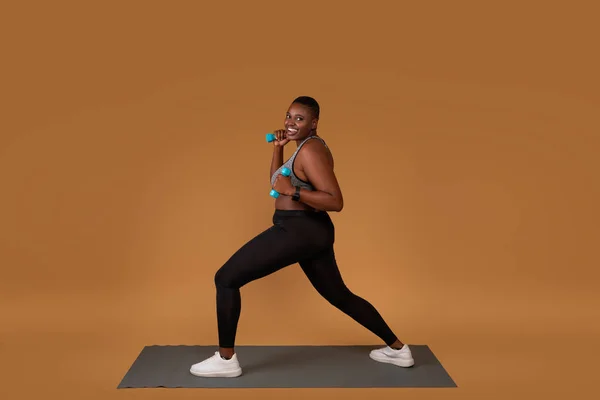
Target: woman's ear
315,122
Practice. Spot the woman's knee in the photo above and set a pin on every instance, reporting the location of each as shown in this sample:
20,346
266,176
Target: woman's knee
338,297
223,278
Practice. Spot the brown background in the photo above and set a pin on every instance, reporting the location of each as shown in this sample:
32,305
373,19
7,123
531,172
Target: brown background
133,163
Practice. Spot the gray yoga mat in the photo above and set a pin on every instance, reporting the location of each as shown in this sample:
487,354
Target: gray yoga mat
285,367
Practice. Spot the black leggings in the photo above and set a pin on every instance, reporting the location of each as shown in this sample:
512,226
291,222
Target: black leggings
304,237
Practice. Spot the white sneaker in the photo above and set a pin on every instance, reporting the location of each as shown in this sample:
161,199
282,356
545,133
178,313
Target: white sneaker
401,358
217,367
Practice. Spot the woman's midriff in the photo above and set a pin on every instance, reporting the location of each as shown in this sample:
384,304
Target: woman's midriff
286,203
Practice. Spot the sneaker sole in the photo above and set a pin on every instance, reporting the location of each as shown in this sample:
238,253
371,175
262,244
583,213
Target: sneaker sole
223,374
396,361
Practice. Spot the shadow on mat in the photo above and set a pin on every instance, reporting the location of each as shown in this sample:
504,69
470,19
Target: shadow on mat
283,358
299,357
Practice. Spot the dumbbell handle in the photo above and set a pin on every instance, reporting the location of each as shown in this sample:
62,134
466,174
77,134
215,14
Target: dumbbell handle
285,172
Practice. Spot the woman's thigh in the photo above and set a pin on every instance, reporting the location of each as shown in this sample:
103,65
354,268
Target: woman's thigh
323,273
271,250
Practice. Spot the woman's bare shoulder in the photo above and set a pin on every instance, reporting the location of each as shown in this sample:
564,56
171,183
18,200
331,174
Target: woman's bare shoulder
315,150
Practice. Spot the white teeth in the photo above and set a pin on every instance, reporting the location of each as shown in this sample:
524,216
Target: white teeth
292,130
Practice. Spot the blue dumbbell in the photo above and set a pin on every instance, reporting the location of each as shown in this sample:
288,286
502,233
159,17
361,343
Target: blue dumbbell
270,137
285,172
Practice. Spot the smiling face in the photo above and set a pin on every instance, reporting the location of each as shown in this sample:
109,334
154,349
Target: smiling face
299,122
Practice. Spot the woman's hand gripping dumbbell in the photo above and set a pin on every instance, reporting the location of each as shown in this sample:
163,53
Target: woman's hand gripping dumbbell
278,138
281,183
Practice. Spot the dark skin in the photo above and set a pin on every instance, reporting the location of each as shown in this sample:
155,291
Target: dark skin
314,164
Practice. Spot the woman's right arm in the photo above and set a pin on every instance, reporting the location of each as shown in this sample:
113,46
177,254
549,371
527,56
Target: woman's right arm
277,160
278,143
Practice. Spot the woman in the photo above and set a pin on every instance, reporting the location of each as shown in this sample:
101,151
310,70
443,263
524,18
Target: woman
302,232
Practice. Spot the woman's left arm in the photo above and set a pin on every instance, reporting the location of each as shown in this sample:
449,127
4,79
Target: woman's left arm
318,168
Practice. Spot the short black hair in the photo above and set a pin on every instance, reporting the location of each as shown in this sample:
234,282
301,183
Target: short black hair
310,103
